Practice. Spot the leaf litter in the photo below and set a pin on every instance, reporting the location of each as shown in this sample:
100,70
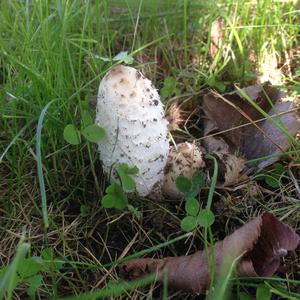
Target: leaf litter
236,130
254,122
258,246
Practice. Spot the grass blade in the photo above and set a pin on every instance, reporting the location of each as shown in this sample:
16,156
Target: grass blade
14,140
114,290
39,164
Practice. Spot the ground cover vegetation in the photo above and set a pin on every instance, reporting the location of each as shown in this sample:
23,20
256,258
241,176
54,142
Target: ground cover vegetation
58,238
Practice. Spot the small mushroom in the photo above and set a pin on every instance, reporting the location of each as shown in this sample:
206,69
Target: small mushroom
183,160
230,167
130,110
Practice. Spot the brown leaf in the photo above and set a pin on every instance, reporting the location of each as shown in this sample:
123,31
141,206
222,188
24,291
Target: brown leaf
227,111
216,36
257,146
215,145
258,244
211,143
241,123
268,69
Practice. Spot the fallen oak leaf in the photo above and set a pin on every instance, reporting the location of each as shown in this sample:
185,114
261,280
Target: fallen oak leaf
218,145
276,239
259,244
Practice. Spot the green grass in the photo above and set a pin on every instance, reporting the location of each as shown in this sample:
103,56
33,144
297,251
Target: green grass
50,52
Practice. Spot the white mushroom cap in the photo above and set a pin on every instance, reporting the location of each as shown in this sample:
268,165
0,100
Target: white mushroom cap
183,160
130,110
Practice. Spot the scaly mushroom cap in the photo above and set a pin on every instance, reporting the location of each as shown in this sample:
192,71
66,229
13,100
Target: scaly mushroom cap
130,110
182,161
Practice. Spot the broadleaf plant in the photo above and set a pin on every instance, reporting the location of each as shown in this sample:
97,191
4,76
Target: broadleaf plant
194,215
169,88
205,218
115,197
115,193
213,82
91,132
28,271
263,292
273,177
121,57
183,184
72,135
192,206
125,172
86,118
188,223
85,211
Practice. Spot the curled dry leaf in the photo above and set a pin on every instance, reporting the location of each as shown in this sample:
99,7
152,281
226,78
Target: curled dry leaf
258,245
245,128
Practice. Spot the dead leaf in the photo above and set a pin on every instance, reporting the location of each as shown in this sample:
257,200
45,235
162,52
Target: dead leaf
245,129
216,36
268,69
215,145
259,245
279,140
231,110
